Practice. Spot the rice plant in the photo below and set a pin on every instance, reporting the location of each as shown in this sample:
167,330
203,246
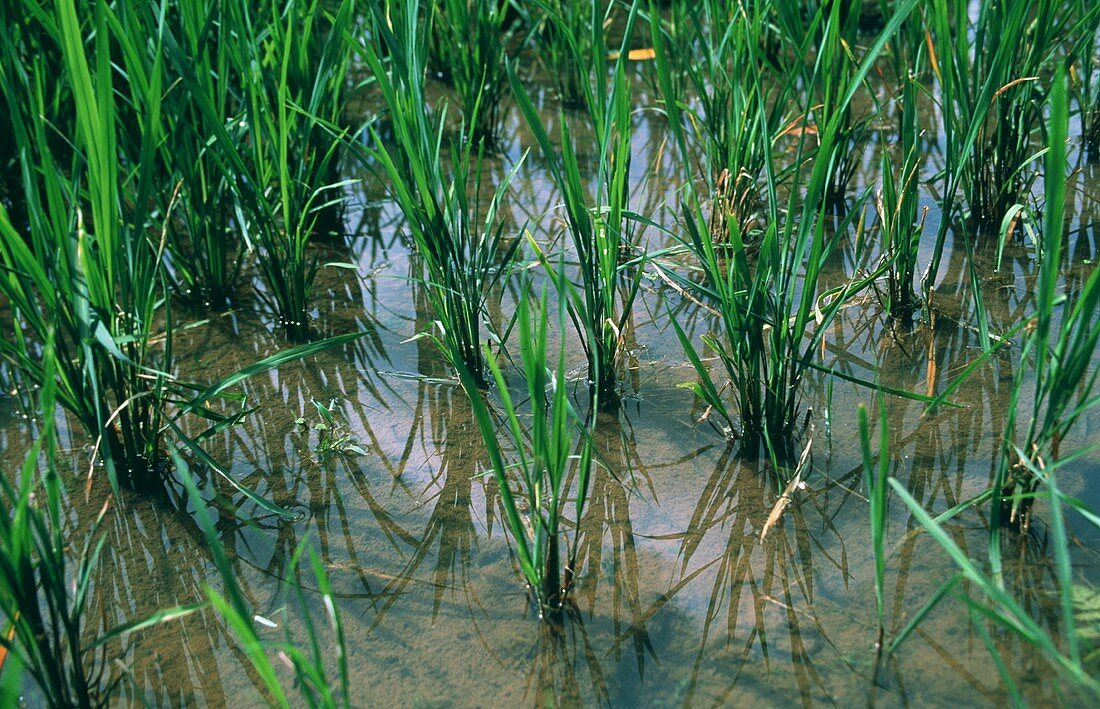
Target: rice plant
205,254
900,221
601,229
991,96
834,70
772,310
875,483
990,601
984,593
708,52
472,40
569,38
465,256
292,58
46,579
1059,346
1086,75
553,455
313,680
87,268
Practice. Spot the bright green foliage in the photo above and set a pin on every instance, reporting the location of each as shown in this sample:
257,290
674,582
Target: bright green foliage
547,462
988,71
569,37
204,252
771,310
899,226
294,60
1060,342
600,228
45,579
464,258
88,269
471,41
710,61
315,683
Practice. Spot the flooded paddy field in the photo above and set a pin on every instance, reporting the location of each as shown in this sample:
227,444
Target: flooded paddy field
716,559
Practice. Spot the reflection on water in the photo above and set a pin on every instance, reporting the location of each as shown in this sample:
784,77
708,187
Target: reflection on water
677,601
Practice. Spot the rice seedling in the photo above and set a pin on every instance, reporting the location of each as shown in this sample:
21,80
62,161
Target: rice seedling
293,73
472,39
985,595
601,229
569,38
1059,345
45,580
772,310
87,268
1085,73
548,460
464,259
833,72
991,96
294,147
317,686
900,221
899,226
875,482
204,253
705,52
989,601
88,271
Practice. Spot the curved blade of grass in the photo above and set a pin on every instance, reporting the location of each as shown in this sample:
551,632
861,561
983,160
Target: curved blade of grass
282,357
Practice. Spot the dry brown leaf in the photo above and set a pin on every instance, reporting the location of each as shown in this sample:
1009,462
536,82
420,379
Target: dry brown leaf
788,494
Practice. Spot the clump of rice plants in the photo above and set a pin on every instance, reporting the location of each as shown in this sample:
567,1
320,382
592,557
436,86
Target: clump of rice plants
1086,75
708,53
900,221
1060,342
295,83
569,38
464,258
601,230
983,593
87,272
292,61
773,315
87,269
204,253
828,36
471,38
317,685
991,95
46,579
552,454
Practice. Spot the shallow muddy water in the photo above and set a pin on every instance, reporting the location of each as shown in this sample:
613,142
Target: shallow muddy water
678,601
